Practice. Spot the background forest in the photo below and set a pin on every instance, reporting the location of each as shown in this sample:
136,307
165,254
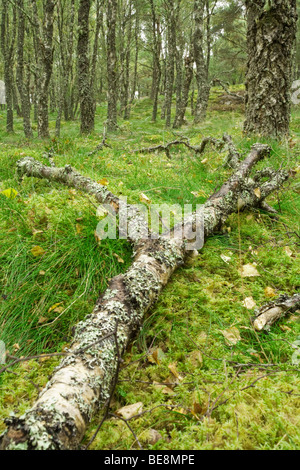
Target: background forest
103,85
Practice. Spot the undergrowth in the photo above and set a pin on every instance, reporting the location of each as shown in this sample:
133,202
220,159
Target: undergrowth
197,390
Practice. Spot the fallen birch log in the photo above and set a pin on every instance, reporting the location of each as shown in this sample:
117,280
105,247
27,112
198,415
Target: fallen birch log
83,381
273,311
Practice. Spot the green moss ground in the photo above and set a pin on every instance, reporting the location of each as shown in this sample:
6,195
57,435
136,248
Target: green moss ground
217,403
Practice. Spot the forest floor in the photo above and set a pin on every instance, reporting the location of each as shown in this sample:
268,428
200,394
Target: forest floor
202,376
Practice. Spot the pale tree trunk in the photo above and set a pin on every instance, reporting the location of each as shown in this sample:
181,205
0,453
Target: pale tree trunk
203,87
8,34
182,105
22,83
270,39
43,39
65,25
156,51
136,41
126,102
83,381
87,114
170,61
112,93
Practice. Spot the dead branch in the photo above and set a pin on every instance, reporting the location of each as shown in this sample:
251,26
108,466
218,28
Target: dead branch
83,381
102,144
184,141
225,87
273,311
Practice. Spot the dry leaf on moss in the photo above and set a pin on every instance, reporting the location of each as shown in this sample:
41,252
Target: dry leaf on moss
196,358
249,303
249,270
269,292
173,369
231,335
156,356
129,411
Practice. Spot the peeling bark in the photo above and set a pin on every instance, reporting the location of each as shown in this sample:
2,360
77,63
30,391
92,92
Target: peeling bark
82,382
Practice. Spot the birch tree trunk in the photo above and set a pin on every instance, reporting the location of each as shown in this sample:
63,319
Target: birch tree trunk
270,39
43,39
82,382
156,50
179,118
112,6
203,87
170,61
22,83
8,34
87,114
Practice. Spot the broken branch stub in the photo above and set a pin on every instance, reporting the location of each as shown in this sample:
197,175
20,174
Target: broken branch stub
81,384
268,314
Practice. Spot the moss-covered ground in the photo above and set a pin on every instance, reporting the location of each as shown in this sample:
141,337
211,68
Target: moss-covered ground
198,390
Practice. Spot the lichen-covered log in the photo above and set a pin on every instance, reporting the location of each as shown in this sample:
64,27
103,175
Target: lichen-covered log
273,311
83,381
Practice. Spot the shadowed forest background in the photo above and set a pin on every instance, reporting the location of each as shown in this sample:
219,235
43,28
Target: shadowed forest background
105,86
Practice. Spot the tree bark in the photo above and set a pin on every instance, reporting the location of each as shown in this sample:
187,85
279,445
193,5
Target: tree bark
83,381
87,111
22,83
43,38
8,34
203,87
189,72
112,6
156,51
273,311
270,38
170,61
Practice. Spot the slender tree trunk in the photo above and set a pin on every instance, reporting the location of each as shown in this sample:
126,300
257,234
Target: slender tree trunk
93,73
21,83
179,118
112,6
126,103
43,38
170,72
270,39
201,64
87,112
156,76
136,40
8,32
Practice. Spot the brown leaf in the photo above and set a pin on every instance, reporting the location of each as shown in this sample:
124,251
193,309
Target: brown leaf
288,251
118,258
285,328
231,335
156,356
249,270
196,358
269,292
172,368
249,303
145,199
42,320
151,437
163,388
129,411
